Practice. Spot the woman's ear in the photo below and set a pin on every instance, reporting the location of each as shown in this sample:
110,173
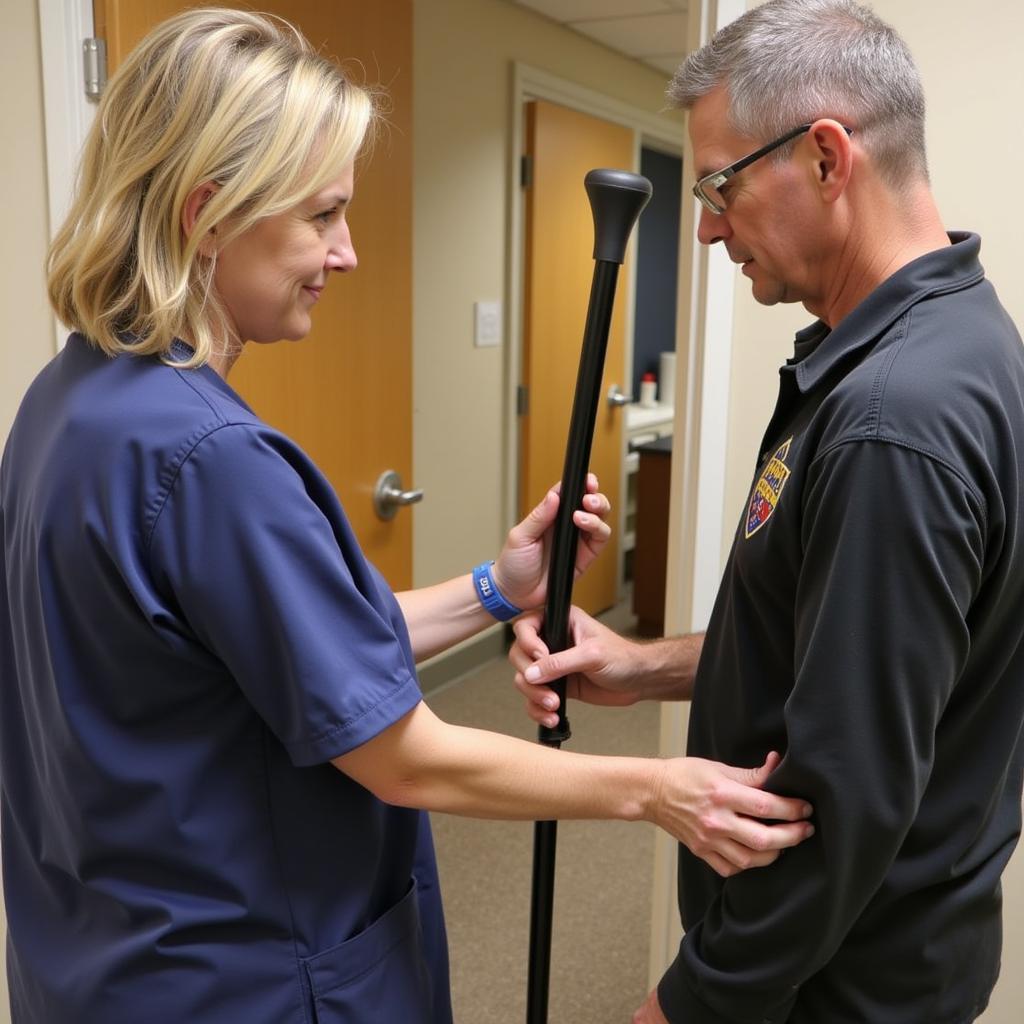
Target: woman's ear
194,203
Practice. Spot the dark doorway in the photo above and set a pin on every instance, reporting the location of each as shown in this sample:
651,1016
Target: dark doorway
657,266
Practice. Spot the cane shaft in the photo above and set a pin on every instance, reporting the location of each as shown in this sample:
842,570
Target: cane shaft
616,199
587,400
542,908
561,574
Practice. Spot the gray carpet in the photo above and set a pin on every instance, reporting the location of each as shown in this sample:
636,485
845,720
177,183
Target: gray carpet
602,885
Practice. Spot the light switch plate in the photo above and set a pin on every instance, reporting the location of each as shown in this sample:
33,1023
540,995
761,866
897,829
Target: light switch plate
486,324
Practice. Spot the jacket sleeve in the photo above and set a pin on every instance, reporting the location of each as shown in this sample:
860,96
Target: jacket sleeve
893,544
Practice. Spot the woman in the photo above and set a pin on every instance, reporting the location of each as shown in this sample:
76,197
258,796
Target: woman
214,744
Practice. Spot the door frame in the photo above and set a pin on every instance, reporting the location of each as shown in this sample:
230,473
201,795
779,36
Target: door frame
532,83
67,111
707,289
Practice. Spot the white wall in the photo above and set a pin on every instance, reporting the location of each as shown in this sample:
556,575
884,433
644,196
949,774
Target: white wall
969,57
464,51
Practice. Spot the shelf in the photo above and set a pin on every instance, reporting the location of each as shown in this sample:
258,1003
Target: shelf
639,417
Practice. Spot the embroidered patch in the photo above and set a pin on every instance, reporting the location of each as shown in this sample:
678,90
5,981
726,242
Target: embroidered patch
767,490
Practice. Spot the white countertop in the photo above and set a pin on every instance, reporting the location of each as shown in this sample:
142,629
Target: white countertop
638,417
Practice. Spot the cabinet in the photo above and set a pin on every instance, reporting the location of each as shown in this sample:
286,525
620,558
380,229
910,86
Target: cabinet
650,555
643,425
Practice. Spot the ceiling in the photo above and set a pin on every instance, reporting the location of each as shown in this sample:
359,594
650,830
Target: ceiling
651,31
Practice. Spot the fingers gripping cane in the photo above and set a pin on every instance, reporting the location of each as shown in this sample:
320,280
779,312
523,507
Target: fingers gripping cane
616,199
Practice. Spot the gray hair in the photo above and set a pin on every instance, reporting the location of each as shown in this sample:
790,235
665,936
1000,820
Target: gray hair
789,62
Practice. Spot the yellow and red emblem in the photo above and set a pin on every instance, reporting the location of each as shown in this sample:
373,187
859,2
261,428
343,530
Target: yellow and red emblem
767,490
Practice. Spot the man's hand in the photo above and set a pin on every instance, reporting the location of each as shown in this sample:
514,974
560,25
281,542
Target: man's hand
600,666
521,570
650,1012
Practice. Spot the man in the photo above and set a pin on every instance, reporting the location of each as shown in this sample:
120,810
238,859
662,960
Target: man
869,621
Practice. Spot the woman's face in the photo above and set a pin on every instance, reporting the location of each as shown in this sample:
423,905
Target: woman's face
270,277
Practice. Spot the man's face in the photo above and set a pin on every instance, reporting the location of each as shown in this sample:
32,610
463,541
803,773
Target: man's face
767,226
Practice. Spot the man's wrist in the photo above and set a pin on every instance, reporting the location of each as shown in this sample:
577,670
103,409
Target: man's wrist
670,666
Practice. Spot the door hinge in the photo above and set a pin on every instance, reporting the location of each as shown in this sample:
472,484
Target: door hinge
522,400
526,171
94,63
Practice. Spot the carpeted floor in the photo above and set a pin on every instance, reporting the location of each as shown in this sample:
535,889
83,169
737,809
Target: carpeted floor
602,885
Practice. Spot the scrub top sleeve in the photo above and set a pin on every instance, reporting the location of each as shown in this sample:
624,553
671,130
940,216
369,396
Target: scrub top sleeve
893,548
264,571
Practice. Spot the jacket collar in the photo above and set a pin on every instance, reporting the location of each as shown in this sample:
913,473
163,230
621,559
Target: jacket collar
945,270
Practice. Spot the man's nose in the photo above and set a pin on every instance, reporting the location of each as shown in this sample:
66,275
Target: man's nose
712,227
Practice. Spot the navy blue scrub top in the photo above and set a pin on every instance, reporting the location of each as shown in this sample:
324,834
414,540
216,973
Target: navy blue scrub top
188,634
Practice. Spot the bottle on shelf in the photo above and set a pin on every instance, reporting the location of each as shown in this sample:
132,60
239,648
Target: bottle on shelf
648,391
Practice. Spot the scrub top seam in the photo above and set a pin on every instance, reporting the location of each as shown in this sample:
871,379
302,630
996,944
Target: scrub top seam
342,727
162,498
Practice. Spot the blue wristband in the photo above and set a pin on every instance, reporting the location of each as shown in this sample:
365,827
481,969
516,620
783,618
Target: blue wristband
490,596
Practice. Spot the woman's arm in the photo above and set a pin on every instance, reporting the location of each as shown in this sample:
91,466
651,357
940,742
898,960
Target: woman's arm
439,616
421,761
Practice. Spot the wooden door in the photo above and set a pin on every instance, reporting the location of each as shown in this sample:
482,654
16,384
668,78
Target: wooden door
345,392
563,146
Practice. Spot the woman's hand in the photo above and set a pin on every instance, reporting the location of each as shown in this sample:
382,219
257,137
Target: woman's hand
714,810
521,570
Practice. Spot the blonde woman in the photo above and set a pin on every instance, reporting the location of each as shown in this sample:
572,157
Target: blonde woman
214,744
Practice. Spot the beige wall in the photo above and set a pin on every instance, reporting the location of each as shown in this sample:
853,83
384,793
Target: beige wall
463,53
974,79
28,337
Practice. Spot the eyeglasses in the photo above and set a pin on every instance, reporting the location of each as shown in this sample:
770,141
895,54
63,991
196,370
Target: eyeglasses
708,189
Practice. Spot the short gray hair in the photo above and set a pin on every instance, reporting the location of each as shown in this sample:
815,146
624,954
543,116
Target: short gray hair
789,62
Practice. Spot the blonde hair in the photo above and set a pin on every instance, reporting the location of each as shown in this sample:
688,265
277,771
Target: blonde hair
219,95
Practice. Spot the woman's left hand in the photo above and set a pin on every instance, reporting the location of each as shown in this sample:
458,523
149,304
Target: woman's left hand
521,570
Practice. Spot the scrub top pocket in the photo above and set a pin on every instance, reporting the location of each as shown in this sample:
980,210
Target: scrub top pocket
378,975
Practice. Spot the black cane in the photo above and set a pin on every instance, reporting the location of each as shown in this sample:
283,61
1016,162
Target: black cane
616,199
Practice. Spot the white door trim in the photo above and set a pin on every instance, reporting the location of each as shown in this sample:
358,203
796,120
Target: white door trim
703,370
67,113
530,83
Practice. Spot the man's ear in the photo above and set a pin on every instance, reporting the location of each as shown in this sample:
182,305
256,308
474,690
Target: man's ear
197,199
832,153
